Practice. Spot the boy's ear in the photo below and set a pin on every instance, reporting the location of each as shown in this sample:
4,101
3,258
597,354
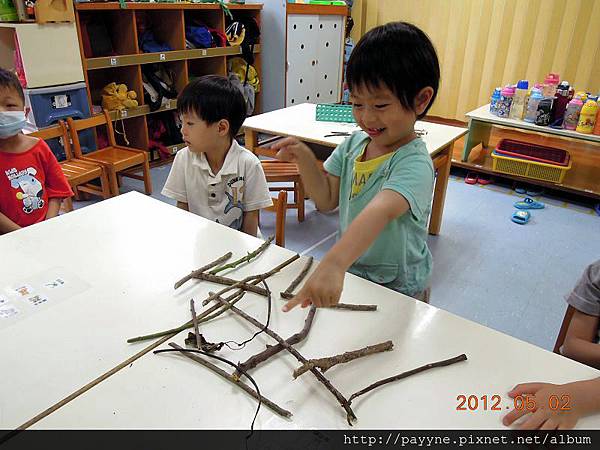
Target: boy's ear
422,99
223,127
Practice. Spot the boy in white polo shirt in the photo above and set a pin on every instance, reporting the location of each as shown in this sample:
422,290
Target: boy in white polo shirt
214,176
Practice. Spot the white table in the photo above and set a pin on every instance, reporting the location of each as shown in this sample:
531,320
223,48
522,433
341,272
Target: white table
299,121
130,249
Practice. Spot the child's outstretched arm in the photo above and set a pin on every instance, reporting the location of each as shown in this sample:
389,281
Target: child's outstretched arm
580,340
323,188
324,286
7,225
550,402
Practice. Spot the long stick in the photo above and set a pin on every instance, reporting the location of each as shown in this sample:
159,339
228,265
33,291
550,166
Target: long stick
252,279
195,323
230,282
350,416
300,277
270,404
327,363
243,259
259,277
193,274
261,357
348,306
408,373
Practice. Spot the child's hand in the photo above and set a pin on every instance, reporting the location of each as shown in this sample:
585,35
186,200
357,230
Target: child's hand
292,150
323,288
546,400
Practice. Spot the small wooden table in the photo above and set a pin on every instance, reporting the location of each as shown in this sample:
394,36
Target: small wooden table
299,121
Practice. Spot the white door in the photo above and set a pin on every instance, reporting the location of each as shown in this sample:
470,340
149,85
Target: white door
329,59
301,59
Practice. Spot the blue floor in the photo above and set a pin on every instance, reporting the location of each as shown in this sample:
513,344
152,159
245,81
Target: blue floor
487,269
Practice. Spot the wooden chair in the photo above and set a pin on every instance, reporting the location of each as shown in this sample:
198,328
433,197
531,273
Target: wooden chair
280,208
562,334
278,171
116,158
78,172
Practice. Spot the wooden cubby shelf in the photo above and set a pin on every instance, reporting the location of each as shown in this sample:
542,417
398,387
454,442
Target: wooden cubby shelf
124,64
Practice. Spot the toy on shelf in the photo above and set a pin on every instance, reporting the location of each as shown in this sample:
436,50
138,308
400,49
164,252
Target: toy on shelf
117,97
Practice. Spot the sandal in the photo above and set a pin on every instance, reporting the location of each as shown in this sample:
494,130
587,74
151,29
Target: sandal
471,178
521,217
529,203
484,179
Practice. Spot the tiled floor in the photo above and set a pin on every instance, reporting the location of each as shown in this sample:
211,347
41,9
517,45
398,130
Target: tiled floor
487,269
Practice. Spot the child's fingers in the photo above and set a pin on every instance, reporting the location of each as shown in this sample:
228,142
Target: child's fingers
300,298
525,388
284,143
513,415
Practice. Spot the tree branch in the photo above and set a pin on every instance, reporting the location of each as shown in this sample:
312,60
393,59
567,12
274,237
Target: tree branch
300,277
243,259
408,373
272,350
327,363
270,404
230,282
252,279
193,274
350,416
348,306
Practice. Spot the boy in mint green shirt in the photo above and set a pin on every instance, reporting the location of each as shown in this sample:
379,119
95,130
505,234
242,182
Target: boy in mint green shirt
382,177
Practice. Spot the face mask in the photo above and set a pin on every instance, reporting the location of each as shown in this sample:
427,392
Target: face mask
11,123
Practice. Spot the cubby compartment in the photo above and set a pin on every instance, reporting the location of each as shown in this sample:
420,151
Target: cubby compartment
206,66
131,132
107,33
210,18
165,26
128,75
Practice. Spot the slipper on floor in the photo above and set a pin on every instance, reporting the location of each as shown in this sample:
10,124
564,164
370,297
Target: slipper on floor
529,203
521,189
597,209
521,217
484,179
534,192
471,178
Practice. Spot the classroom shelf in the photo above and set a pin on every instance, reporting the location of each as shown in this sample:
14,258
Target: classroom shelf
125,61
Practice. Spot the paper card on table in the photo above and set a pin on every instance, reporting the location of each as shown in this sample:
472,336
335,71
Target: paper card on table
55,283
23,290
7,311
36,300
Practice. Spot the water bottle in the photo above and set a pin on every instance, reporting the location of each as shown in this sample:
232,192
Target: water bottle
597,127
532,106
587,117
550,85
494,101
560,104
506,98
571,118
544,112
517,111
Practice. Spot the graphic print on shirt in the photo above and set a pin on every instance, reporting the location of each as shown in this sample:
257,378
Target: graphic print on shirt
234,209
29,189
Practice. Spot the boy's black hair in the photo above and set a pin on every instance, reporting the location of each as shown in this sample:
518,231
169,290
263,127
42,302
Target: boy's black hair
212,98
399,56
8,80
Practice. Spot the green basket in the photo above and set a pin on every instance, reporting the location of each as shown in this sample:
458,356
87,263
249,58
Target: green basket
332,112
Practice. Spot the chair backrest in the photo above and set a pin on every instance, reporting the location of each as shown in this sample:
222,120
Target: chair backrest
280,204
562,334
91,122
56,131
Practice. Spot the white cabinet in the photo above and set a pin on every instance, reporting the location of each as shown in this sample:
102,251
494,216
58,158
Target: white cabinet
302,53
314,58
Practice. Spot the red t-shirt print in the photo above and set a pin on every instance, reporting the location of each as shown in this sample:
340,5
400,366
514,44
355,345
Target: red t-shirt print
27,181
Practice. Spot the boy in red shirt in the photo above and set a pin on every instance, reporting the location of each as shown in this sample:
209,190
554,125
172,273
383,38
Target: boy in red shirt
32,183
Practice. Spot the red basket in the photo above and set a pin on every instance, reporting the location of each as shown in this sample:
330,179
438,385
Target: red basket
533,152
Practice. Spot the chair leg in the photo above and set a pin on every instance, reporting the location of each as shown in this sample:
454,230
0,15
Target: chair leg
112,177
105,185
299,199
147,179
